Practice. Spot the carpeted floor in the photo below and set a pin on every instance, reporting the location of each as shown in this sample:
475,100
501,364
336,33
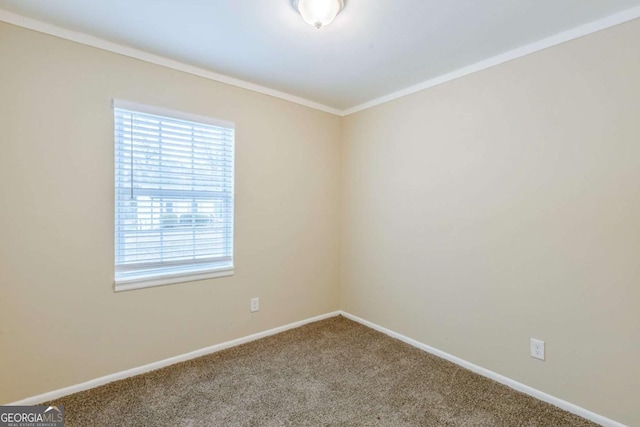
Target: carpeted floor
333,372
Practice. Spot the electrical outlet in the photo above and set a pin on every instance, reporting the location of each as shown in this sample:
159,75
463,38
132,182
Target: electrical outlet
255,304
537,349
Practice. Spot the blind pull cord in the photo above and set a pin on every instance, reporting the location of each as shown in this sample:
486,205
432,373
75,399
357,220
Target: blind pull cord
131,139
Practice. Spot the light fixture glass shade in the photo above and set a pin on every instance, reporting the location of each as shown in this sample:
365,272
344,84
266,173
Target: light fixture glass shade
319,12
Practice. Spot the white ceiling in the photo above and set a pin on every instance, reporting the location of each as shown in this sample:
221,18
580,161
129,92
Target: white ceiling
375,47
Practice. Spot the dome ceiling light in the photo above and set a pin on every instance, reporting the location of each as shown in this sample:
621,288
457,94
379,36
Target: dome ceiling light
318,13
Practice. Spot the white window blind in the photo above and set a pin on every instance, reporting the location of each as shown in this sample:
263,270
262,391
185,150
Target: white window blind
173,196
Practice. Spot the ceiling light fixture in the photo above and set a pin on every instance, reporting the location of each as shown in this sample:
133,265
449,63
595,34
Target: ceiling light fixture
318,12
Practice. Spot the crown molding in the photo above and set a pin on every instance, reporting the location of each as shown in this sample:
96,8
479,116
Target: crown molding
565,36
86,39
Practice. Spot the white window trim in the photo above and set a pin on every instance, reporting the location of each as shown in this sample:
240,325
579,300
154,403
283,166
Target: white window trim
130,285
180,115
171,279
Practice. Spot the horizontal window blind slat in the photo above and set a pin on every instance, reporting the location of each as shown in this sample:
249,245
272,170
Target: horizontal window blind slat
130,237
137,219
146,243
147,265
186,160
173,255
203,224
146,155
207,190
127,117
133,246
142,124
171,174
191,191
154,235
169,137
174,167
150,161
177,193
171,258
151,234
211,221
145,147
163,179
176,190
143,143
177,252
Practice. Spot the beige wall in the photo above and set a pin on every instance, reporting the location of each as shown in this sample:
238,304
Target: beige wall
506,205
60,321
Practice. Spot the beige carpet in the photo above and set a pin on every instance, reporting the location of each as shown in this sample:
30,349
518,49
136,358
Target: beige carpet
334,372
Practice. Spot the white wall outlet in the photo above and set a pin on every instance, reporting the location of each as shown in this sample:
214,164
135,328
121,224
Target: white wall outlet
537,349
255,304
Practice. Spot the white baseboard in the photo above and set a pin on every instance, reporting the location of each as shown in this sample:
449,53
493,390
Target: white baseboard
56,394
540,395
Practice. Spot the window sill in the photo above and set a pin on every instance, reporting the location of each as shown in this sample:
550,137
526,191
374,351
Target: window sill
130,285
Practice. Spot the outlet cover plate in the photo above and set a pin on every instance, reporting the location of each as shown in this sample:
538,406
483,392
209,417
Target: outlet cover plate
537,349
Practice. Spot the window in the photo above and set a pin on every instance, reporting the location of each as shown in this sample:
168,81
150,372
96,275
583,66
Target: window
173,196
